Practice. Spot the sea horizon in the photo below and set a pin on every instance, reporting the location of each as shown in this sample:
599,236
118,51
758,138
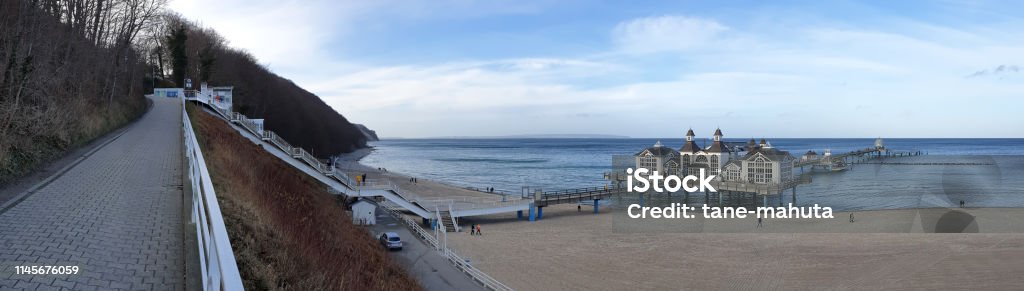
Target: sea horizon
511,165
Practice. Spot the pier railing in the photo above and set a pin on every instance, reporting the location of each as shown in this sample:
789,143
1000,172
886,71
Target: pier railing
216,258
570,195
769,188
576,191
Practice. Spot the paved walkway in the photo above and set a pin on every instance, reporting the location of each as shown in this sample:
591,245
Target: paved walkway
422,262
117,216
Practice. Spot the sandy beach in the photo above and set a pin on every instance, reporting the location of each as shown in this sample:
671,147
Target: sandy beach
422,187
581,250
892,249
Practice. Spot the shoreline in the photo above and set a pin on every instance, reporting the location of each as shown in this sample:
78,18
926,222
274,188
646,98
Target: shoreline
352,161
883,248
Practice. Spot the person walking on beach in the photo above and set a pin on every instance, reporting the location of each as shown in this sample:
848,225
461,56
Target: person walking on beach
472,229
478,230
578,208
759,222
851,216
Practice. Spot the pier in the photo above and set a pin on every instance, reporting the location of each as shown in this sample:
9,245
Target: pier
839,162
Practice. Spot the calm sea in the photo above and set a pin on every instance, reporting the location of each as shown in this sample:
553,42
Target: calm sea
995,177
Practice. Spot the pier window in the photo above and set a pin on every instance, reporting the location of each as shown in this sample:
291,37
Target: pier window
671,168
648,161
714,164
700,160
732,174
760,170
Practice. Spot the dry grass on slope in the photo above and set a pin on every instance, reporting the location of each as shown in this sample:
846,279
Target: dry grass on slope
286,230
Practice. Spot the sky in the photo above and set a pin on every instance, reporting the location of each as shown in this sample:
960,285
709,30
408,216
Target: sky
645,68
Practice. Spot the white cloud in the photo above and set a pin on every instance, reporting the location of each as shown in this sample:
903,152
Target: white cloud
665,33
784,88
808,79
285,36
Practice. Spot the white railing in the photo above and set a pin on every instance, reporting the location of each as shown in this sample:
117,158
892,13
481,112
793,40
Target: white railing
385,184
455,222
310,159
343,178
453,258
278,141
247,123
465,203
216,258
220,271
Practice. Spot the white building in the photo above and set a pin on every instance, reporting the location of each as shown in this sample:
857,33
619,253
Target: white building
810,156
216,96
711,158
762,164
169,92
364,213
659,158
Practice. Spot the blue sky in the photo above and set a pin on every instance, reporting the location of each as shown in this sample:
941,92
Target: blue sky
645,68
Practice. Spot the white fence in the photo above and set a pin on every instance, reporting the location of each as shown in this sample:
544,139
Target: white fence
453,258
220,271
216,258
465,203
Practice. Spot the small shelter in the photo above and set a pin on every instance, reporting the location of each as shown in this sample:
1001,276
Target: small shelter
364,212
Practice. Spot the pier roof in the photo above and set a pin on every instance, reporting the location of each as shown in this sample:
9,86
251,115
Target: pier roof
718,147
771,153
658,150
689,147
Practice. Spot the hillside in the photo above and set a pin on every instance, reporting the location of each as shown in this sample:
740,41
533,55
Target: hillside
370,134
292,112
67,76
286,230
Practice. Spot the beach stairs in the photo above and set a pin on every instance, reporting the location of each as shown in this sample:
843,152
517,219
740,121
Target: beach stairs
450,224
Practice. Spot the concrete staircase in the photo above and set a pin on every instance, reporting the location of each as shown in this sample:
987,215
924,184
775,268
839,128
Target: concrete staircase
448,221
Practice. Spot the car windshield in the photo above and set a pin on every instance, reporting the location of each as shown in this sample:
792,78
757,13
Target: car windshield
394,238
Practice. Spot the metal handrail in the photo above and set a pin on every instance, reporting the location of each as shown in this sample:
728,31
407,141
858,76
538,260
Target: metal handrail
217,259
385,184
310,159
278,141
247,123
227,277
452,217
452,257
463,207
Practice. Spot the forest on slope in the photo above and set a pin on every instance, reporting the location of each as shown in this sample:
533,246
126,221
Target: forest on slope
73,70
69,72
300,117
